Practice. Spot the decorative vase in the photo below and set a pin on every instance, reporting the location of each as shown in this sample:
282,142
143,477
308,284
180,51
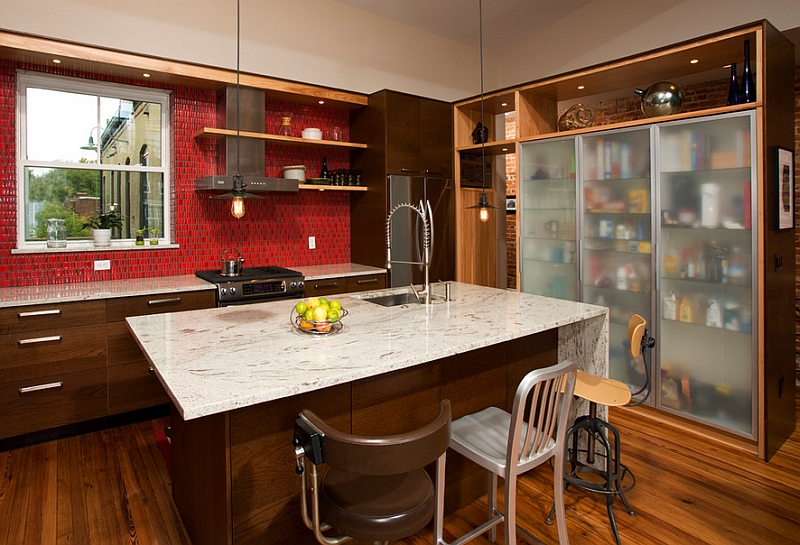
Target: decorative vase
748,91
56,233
481,134
662,98
102,237
577,116
733,89
139,239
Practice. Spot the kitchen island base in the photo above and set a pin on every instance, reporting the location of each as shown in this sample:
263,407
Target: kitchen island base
233,474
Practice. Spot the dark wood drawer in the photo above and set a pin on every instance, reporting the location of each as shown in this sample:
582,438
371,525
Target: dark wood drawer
47,402
122,346
28,355
325,286
37,317
133,386
122,307
366,283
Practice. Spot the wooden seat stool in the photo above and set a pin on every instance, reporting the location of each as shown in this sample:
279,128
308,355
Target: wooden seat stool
607,475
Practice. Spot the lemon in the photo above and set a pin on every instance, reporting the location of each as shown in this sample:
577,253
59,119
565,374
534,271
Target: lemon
301,308
320,314
312,303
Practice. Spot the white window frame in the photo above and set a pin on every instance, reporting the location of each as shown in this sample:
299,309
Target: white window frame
26,79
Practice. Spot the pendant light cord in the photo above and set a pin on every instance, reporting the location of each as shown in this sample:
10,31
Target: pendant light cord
483,123
238,177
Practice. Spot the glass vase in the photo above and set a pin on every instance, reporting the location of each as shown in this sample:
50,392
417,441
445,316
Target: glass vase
56,233
747,93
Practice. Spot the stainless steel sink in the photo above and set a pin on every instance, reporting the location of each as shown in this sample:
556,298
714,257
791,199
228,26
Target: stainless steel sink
395,299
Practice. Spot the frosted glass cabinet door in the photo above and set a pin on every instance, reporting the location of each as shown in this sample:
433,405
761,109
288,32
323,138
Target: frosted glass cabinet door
548,259
617,244
706,271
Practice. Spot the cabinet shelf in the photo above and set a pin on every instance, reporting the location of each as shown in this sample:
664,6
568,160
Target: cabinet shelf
214,133
320,187
502,147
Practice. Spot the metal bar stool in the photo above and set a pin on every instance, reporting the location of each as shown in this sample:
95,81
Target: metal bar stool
606,475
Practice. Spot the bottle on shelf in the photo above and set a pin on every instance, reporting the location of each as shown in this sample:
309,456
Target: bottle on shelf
685,310
324,173
713,314
748,90
671,306
733,90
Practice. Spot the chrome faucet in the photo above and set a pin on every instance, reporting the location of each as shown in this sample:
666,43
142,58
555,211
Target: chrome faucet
424,211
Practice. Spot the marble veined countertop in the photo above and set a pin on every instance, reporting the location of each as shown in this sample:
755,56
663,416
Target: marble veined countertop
221,359
338,270
104,289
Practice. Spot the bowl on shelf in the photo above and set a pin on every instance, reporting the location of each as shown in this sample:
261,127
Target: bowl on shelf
312,133
294,172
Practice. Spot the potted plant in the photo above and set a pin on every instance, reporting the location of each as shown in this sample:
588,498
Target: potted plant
101,224
154,236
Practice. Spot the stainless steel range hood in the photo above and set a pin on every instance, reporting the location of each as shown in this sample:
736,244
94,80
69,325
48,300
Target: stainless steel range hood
251,151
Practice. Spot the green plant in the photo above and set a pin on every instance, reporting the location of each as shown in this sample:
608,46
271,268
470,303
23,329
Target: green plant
141,231
154,232
104,220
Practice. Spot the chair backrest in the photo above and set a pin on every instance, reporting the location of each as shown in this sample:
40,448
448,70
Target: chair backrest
636,327
543,399
384,455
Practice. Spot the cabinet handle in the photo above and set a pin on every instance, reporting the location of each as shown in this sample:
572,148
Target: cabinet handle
409,170
38,313
329,285
367,281
164,301
150,369
39,340
40,387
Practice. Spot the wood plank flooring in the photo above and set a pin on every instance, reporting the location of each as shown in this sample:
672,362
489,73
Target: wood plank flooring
112,487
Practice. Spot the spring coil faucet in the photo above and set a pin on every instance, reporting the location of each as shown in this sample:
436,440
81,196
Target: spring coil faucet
424,211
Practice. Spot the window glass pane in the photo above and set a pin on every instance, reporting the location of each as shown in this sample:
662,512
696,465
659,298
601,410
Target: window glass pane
131,127
59,124
74,194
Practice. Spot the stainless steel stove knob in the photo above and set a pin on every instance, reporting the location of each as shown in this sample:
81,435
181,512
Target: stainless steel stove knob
301,285
293,285
223,291
233,291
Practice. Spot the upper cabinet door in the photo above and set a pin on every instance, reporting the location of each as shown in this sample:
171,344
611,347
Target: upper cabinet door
436,119
403,130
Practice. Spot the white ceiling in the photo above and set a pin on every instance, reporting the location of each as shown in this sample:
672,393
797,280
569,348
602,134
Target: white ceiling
506,23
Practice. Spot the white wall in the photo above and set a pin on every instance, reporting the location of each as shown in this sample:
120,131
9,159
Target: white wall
326,43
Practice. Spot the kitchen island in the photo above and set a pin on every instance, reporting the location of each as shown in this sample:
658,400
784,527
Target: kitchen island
238,376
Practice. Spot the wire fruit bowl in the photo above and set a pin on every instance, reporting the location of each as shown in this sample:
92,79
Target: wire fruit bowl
316,327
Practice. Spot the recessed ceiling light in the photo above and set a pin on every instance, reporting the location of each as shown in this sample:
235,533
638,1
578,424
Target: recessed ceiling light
146,75
56,61
581,87
693,61
504,149
504,104
322,102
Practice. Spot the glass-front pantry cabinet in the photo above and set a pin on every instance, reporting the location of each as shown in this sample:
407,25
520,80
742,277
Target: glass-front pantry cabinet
658,217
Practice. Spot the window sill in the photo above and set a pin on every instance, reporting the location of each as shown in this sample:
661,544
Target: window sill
90,247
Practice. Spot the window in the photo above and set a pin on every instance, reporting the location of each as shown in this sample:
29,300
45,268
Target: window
86,146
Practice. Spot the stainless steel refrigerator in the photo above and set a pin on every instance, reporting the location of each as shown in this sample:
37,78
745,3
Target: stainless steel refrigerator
407,229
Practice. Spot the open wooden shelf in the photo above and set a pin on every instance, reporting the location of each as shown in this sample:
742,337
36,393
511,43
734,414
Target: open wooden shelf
211,132
492,148
321,187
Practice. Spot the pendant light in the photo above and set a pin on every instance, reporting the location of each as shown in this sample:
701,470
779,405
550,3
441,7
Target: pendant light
237,194
483,203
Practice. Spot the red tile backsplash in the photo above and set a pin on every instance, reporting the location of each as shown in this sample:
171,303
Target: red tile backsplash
274,230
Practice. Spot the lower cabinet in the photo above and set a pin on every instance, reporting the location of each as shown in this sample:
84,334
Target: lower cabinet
345,284
73,362
132,384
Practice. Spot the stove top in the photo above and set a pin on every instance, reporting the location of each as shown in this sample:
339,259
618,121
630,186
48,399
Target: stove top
253,273
256,284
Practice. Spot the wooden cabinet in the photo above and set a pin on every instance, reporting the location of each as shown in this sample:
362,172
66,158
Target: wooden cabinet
536,107
131,381
53,369
406,135
345,284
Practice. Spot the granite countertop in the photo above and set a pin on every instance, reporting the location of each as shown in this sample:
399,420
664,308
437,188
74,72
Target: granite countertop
338,270
220,359
104,289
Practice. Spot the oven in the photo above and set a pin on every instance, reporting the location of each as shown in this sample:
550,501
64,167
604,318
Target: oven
255,285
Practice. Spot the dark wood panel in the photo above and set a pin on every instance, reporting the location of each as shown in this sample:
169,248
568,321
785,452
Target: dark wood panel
80,396
437,138
50,316
122,307
266,489
325,286
31,354
403,134
134,386
122,346
526,354
396,402
200,476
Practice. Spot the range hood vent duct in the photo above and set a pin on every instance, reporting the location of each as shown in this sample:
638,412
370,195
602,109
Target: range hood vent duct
251,156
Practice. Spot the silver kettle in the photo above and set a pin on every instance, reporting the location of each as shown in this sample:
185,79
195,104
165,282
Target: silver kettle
232,261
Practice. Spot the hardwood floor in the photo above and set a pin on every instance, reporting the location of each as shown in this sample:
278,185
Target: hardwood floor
112,487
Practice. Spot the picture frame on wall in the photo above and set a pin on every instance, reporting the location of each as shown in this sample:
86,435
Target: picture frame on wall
784,175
